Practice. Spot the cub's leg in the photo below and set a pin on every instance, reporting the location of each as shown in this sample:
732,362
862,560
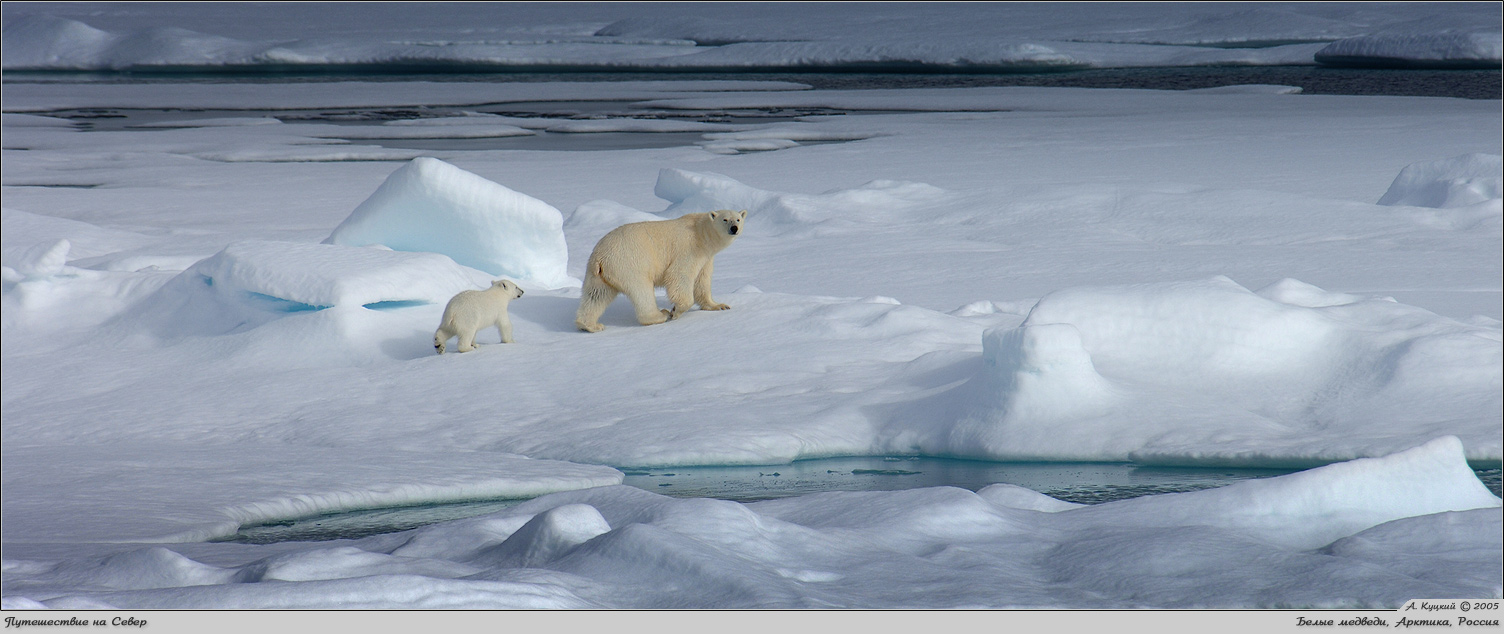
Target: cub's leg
702,289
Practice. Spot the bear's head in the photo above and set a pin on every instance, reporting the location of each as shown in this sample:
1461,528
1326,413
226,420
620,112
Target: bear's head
727,221
507,287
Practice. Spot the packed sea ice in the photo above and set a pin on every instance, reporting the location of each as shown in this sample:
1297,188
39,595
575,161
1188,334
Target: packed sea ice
1169,278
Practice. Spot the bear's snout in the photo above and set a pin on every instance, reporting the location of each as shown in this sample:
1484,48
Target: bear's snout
734,229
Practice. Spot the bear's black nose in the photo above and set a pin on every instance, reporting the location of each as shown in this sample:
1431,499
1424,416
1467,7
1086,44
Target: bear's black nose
733,229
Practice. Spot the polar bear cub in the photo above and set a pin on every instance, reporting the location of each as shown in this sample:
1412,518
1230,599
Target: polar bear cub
677,255
470,311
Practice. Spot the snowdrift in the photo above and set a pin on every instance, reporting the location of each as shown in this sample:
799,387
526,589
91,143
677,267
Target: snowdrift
252,283
1462,181
429,205
1292,541
1144,372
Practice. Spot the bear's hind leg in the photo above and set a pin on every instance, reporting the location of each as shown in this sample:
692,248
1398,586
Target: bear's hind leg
467,341
439,338
595,296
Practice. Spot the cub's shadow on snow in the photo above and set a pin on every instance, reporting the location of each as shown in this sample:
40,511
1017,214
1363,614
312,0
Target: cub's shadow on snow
529,315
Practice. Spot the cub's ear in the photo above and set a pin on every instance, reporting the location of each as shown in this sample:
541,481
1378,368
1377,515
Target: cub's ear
742,215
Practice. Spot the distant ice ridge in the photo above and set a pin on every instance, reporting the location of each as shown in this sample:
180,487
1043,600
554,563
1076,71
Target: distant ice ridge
875,202
1207,372
429,205
795,36
1446,49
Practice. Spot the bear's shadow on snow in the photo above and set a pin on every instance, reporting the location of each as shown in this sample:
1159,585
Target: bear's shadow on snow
416,346
557,314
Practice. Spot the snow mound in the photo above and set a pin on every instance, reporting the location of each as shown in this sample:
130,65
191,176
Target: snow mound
623,547
429,205
1144,372
879,201
548,536
1460,181
1310,509
251,283
41,261
596,217
1449,48
44,41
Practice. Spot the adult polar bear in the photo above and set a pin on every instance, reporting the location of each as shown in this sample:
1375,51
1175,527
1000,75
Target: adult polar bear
677,255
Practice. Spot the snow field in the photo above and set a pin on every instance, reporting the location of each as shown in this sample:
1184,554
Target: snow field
962,283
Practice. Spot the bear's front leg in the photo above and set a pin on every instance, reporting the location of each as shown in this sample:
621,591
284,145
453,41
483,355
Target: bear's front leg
702,289
645,304
505,326
678,291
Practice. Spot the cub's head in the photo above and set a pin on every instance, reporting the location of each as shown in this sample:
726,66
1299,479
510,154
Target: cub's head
727,221
507,287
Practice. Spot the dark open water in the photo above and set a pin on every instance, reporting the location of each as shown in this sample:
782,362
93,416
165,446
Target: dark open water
1084,483
1316,80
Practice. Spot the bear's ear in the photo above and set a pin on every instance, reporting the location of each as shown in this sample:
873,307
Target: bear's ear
742,215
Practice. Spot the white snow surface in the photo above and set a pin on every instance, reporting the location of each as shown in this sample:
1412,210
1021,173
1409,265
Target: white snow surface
705,36
1197,278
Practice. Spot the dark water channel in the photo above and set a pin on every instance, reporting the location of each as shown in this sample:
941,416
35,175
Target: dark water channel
1084,483
1312,79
